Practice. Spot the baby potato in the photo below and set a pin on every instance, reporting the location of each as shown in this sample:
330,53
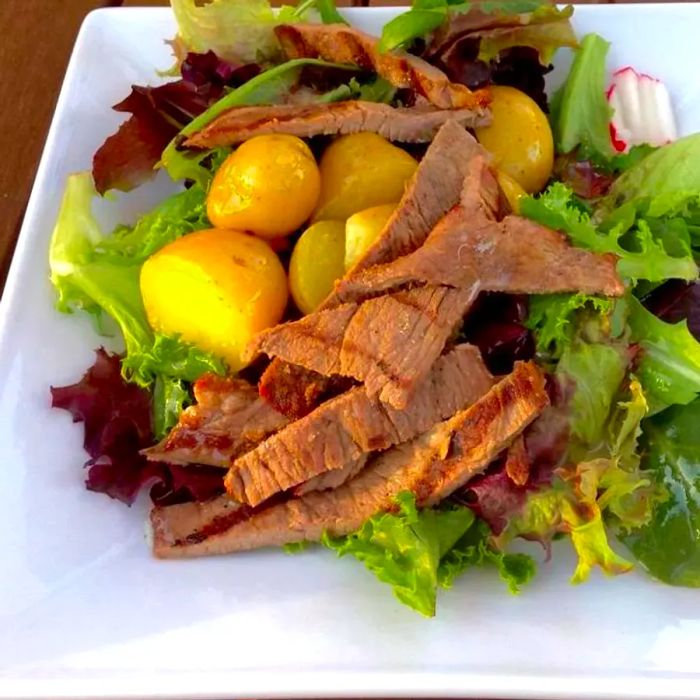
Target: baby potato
360,171
316,263
511,189
216,289
519,137
363,229
269,186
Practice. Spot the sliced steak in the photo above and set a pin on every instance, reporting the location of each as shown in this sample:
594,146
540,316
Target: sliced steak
388,342
432,466
341,430
432,191
333,479
403,124
342,44
468,247
228,419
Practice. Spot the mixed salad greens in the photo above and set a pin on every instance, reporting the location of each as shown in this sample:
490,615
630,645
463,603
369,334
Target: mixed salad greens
617,467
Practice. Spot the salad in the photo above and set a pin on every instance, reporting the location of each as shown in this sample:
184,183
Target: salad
404,304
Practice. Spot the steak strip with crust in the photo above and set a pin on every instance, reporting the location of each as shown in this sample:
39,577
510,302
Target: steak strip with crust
228,419
342,44
341,430
468,247
432,191
432,466
403,124
389,343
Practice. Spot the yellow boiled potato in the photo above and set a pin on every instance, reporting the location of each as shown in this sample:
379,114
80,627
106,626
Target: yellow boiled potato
511,189
316,263
363,229
359,171
269,185
216,289
519,137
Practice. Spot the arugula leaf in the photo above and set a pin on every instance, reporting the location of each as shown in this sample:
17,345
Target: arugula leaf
669,367
377,90
415,551
668,547
582,115
414,24
597,370
266,88
642,255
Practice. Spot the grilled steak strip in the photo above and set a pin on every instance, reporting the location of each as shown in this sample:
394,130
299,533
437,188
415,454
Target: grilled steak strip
514,255
388,342
334,479
342,44
432,466
341,430
403,124
432,191
228,419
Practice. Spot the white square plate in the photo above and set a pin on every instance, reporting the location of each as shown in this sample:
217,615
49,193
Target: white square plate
86,611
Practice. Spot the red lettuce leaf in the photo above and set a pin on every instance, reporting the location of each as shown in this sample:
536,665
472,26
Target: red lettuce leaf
496,326
127,158
117,418
676,301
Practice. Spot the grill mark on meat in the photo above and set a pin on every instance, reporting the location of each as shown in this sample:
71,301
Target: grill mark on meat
408,125
434,189
342,44
469,247
389,342
340,431
227,420
432,466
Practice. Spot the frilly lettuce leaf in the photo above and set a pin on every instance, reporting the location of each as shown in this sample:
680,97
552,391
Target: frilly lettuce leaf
668,546
643,255
555,319
415,551
100,275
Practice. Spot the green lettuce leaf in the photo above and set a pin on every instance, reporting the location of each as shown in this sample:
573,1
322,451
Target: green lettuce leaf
556,318
269,87
240,31
581,114
417,551
608,488
643,256
597,369
497,25
474,549
377,90
668,546
100,275
669,366
670,175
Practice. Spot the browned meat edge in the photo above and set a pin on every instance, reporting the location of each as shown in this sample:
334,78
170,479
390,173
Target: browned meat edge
432,466
403,124
339,431
342,44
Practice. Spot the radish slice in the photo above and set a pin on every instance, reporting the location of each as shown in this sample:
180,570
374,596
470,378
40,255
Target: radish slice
641,111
